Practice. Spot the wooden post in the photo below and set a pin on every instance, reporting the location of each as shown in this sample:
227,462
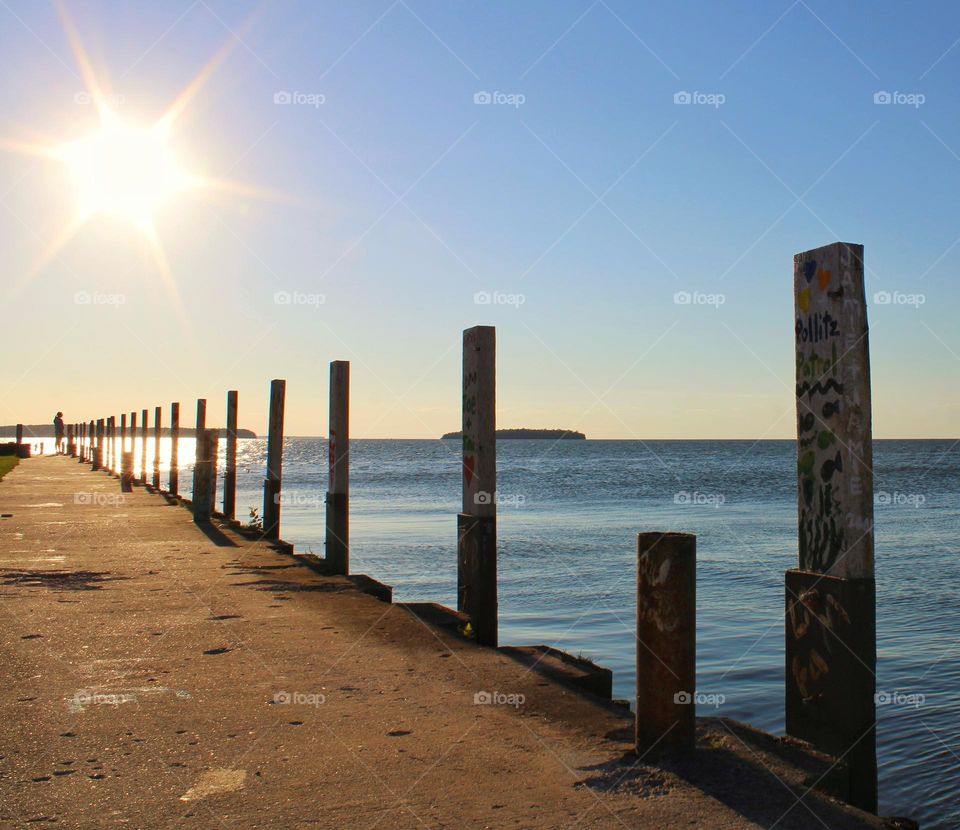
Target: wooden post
174,447
477,523
831,597
338,486
198,434
157,415
205,478
123,435
19,433
90,441
133,443
112,445
98,449
230,466
143,446
666,643
272,483
71,442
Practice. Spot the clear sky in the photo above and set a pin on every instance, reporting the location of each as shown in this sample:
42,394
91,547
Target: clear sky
395,159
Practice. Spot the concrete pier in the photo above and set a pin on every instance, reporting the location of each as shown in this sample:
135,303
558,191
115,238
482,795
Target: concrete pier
158,673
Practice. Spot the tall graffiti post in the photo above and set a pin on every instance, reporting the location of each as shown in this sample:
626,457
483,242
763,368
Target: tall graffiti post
477,523
830,597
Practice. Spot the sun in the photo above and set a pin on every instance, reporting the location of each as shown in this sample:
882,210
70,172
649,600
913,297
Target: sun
124,171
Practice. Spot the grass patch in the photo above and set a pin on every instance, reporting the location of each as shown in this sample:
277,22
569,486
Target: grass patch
7,463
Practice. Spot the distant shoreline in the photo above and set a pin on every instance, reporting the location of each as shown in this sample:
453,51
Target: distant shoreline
529,434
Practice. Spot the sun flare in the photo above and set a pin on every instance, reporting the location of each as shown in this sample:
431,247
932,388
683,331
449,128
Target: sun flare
124,171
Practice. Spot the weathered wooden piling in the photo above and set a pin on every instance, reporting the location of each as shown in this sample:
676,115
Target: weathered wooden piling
273,482
477,523
205,475
174,448
198,433
123,437
112,445
71,442
230,462
666,643
831,597
143,447
338,485
157,416
133,443
98,449
19,433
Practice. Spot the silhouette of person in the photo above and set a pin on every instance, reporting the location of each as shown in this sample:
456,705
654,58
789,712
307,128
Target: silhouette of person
58,432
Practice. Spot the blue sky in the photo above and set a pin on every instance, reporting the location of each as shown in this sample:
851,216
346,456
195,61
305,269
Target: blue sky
581,199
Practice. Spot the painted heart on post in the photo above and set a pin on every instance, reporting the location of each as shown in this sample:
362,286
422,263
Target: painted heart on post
809,269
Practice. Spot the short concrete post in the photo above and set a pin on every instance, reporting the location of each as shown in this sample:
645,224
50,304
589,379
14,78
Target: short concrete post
230,462
831,641
198,434
666,643
143,447
477,523
126,471
272,483
174,448
338,486
157,416
205,475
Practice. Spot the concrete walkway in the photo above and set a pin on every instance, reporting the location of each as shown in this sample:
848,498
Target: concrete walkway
157,676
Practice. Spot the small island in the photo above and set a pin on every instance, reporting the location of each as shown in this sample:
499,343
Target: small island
536,434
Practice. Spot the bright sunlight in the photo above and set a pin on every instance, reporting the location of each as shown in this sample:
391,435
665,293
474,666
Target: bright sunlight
124,171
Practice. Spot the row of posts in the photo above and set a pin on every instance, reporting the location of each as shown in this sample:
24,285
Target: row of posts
96,442
830,613
830,619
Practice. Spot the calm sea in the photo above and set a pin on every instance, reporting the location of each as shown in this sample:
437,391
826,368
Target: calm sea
568,518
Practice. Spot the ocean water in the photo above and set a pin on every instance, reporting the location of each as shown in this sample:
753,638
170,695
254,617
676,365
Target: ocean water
568,518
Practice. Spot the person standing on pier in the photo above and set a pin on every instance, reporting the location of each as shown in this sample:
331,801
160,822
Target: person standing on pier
58,433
